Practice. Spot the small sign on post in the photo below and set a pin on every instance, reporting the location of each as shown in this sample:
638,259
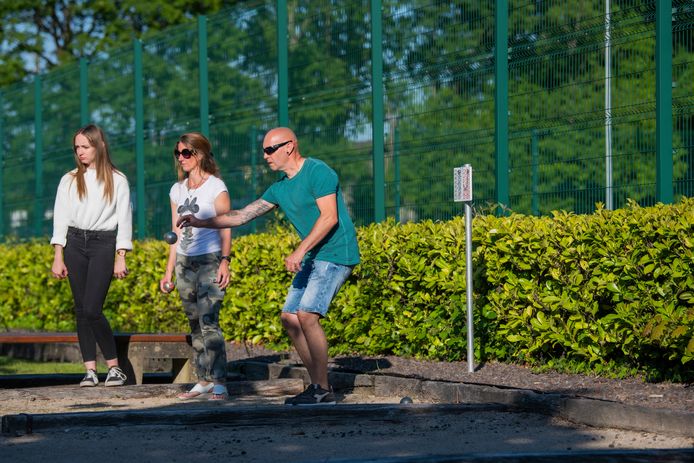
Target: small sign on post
462,183
462,192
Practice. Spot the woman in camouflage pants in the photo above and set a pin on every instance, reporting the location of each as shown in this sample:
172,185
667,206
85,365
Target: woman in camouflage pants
200,260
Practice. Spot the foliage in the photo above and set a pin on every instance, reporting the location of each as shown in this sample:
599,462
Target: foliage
438,93
611,292
612,286
407,297
48,33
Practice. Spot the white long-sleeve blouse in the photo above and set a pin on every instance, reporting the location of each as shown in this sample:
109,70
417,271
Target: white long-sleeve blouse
93,212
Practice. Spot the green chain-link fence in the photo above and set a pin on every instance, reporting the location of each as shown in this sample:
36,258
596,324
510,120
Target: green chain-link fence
586,102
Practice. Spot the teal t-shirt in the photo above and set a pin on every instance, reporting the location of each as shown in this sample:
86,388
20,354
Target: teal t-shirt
297,198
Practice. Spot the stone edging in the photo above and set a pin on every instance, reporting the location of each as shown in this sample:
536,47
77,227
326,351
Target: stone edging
589,412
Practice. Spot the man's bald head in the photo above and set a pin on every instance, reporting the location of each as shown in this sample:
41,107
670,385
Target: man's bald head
279,135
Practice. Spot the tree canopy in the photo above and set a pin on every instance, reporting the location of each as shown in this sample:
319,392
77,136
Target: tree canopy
38,35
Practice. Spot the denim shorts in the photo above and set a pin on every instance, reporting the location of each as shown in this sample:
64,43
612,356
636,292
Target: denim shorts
315,286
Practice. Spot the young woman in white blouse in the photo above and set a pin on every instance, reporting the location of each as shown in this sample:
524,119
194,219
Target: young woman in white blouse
92,231
200,260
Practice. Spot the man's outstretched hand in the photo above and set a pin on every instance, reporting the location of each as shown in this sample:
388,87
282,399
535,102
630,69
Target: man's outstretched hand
188,221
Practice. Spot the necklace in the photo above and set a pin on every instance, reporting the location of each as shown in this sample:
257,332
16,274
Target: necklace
189,206
192,187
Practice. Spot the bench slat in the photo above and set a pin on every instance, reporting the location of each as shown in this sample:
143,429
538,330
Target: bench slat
47,338
31,338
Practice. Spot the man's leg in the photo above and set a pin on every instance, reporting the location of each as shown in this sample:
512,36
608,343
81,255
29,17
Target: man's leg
309,297
291,323
317,346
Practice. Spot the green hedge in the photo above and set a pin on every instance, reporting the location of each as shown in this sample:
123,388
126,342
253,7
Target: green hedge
608,287
612,288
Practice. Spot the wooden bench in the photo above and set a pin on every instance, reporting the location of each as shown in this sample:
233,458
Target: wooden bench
132,348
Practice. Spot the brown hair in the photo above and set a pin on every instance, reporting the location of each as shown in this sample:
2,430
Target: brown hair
103,164
201,145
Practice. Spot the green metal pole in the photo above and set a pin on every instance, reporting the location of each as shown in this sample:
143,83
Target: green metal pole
254,169
501,103
377,111
282,64
84,92
663,101
139,140
38,158
2,168
396,161
203,77
534,150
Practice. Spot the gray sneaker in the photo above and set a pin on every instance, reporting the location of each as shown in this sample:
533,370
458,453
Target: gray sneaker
90,379
313,395
115,377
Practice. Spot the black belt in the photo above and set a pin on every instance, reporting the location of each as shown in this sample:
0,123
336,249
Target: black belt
87,233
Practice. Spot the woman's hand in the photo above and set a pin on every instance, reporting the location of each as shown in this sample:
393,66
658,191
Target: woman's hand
223,275
164,283
120,270
58,269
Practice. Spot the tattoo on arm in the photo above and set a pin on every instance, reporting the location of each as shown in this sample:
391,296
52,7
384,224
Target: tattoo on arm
250,212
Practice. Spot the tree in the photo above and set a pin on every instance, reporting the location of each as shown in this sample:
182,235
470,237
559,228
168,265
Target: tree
38,35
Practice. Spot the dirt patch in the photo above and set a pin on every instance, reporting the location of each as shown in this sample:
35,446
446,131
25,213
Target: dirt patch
673,396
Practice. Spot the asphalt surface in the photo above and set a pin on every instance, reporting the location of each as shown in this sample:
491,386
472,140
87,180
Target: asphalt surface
446,422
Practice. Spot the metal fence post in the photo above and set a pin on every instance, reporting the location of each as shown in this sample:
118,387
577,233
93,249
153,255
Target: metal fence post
139,141
253,136
2,167
609,196
663,101
396,167
501,103
84,92
377,123
535,159
38,158
203,77
282,64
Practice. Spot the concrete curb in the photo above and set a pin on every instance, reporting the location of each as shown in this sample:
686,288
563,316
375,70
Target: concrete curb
238,416
589,412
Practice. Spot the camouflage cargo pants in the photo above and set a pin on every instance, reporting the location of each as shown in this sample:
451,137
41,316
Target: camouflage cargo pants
202,301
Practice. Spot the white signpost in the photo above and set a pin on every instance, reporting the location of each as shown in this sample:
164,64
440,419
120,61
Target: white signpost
462,192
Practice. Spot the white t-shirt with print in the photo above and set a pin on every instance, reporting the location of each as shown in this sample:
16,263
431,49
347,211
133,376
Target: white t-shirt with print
199,202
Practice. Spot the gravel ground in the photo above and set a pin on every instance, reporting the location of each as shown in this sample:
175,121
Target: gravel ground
263,430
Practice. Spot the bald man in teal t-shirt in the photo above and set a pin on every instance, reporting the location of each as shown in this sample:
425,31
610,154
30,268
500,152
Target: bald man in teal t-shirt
310,196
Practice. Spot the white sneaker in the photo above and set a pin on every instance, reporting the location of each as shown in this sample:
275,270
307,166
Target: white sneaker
90,379
115,377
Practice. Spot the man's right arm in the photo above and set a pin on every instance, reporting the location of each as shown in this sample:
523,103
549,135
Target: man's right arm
233,218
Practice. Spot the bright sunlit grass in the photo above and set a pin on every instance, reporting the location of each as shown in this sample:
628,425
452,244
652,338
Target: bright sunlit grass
12,366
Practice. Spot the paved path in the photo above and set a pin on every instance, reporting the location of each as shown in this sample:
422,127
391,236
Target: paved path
146,423
270,433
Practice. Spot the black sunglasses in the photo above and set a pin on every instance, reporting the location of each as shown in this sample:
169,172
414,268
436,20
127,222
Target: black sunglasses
186,153
273,148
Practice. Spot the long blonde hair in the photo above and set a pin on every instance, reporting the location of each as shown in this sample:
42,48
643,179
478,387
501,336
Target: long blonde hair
202,146
103,164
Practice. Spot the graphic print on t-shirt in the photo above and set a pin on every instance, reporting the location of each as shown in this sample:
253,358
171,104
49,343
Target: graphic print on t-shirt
188,207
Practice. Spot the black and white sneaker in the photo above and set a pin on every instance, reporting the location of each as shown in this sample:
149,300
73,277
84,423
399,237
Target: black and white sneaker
90,379
115,377
313,395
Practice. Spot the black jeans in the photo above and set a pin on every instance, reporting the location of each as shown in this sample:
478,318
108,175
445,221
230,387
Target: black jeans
89,257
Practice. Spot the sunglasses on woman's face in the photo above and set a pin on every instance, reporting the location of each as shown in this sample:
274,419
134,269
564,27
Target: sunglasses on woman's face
186,153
